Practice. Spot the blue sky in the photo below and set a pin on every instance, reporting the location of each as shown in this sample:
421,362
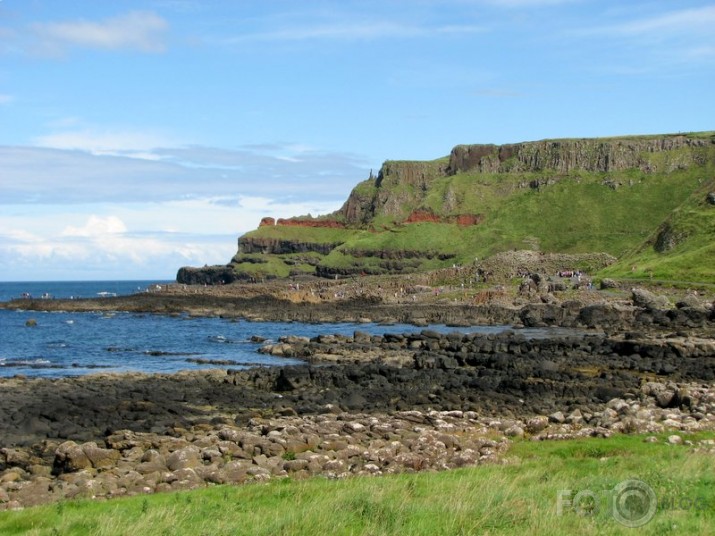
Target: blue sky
138,137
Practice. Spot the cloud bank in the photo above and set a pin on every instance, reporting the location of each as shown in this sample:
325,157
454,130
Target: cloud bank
86,215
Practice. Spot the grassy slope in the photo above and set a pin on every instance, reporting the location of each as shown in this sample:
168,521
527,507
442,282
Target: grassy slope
287,264
520,498
574,213
692,259
578,214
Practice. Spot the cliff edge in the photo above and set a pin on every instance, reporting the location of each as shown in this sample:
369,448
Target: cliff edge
645,200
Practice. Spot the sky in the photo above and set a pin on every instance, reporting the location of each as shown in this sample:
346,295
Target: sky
137,137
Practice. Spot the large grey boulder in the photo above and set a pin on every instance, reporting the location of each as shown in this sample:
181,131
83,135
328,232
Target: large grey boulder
648,300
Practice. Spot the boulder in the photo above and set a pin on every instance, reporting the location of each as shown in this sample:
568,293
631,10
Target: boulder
70,457
599,315
537,424
292,378
514,431
648,300
184,458
151,461
690,301
100,458
557,417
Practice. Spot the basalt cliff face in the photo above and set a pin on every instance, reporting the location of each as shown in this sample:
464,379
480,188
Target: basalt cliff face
612,195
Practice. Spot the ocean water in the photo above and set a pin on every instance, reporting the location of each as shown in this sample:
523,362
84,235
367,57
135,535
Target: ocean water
73,289
68,343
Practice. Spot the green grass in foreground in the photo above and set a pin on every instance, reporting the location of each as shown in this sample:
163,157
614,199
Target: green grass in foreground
520,498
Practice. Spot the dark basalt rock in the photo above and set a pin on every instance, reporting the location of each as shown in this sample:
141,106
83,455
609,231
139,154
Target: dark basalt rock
208,275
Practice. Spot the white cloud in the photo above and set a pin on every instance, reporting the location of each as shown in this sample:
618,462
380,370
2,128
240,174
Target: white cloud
108,142
97,226
137,30
102,248
81,167
136,240
6,99
80,208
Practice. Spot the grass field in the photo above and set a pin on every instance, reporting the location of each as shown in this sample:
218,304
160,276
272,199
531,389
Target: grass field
522,497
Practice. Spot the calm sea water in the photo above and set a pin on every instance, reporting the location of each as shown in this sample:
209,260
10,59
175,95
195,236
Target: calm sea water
73,289
62,344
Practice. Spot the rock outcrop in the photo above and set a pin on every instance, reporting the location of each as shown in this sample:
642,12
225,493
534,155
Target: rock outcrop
208,275
484,185
564,156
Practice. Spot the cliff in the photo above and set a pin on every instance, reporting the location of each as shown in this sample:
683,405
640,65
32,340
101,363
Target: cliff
619,196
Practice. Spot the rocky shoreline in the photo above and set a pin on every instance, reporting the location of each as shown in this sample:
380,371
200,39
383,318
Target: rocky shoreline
364,404
635,309
331,444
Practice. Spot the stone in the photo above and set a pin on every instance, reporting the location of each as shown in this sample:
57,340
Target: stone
184,458
537,424
618,405
689,301
14,457
235,471
35,492
675,440
648,300
371,468
185,478
557,417
575,417
100,458
667,398
352,427
152,461
70,457
295,465
514,431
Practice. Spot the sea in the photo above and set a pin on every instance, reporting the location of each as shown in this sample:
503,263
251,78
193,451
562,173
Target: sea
55,344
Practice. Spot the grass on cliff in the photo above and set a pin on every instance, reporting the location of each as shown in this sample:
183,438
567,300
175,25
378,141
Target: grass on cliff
576,212
315,235
690,255
519,498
